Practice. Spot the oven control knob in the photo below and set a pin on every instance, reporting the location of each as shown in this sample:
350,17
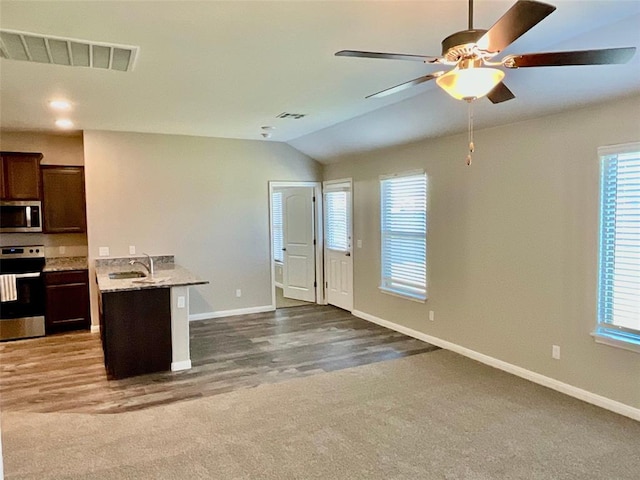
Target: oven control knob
37,250
31,251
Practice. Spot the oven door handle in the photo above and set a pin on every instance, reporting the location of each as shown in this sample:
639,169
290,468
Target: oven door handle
27,275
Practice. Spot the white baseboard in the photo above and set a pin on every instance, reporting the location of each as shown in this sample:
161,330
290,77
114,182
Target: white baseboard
95,328
182,365
584,395
231,313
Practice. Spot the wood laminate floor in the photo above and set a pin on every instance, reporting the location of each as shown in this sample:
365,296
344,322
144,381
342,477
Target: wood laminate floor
65,373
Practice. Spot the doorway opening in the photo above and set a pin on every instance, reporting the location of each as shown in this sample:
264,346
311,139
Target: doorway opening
295,219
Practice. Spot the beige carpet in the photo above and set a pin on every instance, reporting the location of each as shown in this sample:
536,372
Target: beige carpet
430,416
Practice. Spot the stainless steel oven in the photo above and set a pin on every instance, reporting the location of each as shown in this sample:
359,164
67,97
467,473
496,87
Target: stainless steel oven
20,216
22,311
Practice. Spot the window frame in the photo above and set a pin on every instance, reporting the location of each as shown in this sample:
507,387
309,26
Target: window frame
332,187
384,286
606,332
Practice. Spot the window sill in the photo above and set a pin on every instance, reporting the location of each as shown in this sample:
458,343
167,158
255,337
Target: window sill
402,295
613,340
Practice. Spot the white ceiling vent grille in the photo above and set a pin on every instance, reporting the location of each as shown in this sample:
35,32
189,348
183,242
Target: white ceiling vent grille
296,116
32,47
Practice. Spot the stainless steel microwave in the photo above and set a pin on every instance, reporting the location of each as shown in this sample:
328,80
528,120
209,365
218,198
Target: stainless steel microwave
20,216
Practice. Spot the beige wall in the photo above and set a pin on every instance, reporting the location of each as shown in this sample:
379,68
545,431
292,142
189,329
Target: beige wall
56,149
205,200
512,244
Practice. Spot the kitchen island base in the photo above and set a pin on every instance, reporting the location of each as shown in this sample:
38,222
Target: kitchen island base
136,332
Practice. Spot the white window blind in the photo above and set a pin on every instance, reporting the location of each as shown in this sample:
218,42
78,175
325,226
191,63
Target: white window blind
276,208
337,220
404,235
619,272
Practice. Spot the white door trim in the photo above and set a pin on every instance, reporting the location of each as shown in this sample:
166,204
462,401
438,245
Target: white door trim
319,229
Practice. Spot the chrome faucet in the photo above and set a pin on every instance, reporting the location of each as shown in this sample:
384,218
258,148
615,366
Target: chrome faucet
149,267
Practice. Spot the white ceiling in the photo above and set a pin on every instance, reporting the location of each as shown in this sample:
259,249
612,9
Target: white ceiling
224,69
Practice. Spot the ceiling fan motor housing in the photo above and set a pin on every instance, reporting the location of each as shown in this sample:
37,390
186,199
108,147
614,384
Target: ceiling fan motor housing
461,44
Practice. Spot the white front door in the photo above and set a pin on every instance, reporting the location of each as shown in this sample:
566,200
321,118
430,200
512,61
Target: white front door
299,272
338,262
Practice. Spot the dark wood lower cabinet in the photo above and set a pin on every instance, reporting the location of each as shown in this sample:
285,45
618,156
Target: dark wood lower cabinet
135,327
67,301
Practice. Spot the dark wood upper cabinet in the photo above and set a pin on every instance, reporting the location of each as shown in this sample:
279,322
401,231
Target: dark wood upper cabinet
20,176
63,199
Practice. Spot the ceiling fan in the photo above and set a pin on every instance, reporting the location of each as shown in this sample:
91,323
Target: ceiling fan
471,52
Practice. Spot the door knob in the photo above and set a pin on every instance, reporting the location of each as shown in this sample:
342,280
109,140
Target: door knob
348,254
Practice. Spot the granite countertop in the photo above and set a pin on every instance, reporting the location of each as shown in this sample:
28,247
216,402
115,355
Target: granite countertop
167,274
62,264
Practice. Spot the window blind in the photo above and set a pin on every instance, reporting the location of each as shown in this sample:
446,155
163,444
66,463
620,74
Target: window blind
404,235
276,222
619,276
337,221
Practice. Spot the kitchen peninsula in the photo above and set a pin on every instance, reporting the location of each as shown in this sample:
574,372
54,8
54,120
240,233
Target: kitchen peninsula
144,317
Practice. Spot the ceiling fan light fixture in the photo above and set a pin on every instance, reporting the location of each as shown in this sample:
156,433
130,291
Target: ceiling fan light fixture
470,83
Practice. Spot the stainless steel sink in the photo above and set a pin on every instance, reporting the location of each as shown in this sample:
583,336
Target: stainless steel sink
125,275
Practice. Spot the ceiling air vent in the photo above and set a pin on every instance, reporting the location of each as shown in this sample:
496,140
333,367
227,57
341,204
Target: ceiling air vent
31,47
296,116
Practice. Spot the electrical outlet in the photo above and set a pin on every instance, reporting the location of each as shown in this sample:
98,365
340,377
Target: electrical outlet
103,251
432,315
181,302
132,249
359,243
62,250
238,292
555,352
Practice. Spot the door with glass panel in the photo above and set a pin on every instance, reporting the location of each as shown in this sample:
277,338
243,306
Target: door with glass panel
338,261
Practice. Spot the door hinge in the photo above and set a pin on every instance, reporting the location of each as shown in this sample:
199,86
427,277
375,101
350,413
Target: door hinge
314,241
315,284
314,198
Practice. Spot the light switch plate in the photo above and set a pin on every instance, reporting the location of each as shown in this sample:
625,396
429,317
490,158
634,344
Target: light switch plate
359,243
132,250
181,302
104,251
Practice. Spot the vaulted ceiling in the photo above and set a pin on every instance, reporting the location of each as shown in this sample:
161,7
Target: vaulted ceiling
228,68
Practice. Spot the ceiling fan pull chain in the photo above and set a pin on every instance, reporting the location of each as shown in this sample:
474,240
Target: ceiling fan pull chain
471,145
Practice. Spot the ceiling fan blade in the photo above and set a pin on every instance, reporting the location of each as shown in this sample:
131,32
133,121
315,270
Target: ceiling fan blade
500,93
519,19
405,85
607,56
387,56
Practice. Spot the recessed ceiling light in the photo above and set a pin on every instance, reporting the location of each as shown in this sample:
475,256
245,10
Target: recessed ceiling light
64,123
60,105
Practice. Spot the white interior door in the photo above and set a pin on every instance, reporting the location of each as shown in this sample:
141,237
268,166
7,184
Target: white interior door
338,261
299,272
